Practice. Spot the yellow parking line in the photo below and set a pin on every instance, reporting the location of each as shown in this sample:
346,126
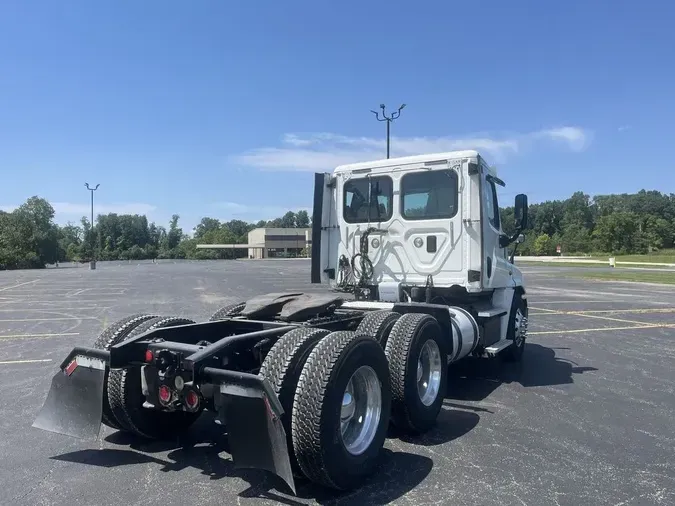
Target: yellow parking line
637,311
30,336
584,315
36,361
606,329
585,311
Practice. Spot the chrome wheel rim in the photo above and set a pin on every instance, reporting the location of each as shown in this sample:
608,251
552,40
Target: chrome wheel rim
429,372
361,410
521,328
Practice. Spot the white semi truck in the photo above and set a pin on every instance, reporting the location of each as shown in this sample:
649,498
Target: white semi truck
305,385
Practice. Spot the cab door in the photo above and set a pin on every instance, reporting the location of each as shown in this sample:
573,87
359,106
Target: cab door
496,268
325,229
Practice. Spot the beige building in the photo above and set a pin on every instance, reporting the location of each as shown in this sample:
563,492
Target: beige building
279,242
272,242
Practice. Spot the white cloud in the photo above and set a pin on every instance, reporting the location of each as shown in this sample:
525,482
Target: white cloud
325,151
576,138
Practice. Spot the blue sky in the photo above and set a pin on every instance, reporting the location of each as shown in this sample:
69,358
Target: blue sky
225,108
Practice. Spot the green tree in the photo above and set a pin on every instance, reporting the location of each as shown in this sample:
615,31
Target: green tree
175,233
619,233
302,219
205,226
543,245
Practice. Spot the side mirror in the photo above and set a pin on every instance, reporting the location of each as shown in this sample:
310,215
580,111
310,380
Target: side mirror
520,211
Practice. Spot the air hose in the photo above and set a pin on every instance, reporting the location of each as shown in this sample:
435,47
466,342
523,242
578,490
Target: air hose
347,268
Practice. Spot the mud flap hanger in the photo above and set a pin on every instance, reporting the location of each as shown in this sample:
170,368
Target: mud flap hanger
251,411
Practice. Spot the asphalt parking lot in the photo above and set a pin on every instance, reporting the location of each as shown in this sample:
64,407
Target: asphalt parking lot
587,418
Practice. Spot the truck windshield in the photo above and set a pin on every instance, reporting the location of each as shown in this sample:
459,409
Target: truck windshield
368,199
429,195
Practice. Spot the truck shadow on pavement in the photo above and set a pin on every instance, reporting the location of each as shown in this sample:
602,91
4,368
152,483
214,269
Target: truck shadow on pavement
472,380
399,471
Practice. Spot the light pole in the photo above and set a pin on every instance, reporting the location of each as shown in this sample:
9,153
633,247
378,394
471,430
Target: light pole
389,119
92,263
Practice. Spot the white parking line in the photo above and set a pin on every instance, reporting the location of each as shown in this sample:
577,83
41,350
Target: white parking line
53,310
31,336
20,284
62,301
50,319
36,361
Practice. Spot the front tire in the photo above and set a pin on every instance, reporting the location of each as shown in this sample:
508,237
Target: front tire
341,410
517,330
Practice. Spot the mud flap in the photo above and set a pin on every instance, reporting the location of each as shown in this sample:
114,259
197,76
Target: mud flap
74,403
255,433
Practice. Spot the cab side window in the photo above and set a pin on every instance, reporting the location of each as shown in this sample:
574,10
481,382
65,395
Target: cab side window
491,204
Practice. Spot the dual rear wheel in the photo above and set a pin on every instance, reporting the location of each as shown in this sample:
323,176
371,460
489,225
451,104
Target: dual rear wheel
122,394
341,390
336,394
417,354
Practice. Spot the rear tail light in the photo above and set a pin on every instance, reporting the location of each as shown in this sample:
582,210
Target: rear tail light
191,399
165,394
149,356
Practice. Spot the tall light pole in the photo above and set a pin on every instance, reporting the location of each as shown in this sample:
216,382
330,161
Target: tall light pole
92,263
389,119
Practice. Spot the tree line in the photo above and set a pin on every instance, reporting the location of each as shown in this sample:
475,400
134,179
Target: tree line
603,224
29,237
636,223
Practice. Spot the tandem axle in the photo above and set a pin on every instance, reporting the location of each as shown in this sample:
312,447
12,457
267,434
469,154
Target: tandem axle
279,387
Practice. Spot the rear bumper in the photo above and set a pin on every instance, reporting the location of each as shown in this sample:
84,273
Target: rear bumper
246,404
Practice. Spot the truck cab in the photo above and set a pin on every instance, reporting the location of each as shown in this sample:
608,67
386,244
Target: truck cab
393,228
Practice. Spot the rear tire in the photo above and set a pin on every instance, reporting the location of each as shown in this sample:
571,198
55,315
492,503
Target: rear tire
322,402
113,334
378,325
418,355
282,368
126,396
228,311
